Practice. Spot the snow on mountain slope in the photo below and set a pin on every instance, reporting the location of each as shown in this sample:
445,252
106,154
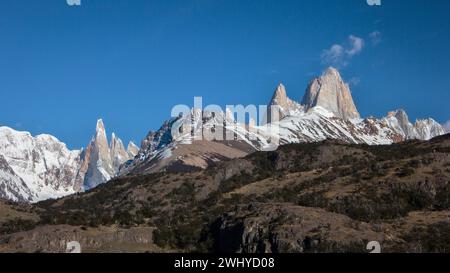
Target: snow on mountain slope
12,187
43,163
319,124
446,126
423,129
327,112
38,168
41,167
180,144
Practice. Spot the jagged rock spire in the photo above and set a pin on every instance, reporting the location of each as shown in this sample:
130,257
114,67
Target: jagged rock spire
101,160
332,93
280,97
285,105
101,142
132,149
424,129
117,152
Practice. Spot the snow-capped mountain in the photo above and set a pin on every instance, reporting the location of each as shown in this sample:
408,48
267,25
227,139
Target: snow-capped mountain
12,187
36,168
327,111
101,161
422,129
42,167
286,106
181,143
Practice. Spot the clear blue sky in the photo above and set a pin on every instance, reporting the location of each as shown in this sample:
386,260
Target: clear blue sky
131,61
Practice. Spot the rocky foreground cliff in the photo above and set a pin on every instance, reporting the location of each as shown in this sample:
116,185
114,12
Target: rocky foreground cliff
313,197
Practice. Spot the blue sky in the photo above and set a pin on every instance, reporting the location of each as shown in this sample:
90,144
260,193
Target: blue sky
130,62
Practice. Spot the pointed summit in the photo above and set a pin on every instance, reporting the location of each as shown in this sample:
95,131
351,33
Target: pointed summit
399,119
102,160
100,128
117,152
132,149
100,138
424,129
116,143
332,93
332,72
403,119
279,96
286,105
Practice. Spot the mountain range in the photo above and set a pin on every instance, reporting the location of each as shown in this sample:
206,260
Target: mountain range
327,111
42,167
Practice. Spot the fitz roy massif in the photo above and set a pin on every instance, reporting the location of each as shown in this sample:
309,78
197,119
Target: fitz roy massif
36,168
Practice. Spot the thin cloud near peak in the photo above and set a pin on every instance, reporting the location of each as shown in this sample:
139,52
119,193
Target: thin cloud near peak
375,37
354,81
339,55
334,55
356,45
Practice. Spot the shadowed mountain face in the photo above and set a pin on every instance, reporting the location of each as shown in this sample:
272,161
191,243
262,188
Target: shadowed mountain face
313,197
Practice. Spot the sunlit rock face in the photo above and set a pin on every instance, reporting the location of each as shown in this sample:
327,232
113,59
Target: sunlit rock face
330,92
102,160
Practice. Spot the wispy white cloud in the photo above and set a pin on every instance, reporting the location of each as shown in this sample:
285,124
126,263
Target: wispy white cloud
447,126
354,81
356,45
340,54
375,37
333,55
